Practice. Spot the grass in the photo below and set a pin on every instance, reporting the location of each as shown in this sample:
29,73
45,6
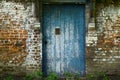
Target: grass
98,76
9,77
38,75
52,76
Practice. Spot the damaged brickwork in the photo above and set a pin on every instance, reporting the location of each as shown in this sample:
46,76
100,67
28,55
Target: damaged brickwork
103,41
20,41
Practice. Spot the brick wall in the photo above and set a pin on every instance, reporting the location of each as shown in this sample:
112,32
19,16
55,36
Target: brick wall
103,41
20,37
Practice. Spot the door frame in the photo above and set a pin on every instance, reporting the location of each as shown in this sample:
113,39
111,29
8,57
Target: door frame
59,3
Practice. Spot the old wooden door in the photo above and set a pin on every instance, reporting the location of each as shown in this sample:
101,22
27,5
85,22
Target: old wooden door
63,38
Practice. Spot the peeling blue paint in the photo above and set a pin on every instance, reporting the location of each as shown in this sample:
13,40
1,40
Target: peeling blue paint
64,52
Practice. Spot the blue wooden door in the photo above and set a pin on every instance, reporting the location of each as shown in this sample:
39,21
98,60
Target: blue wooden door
64,38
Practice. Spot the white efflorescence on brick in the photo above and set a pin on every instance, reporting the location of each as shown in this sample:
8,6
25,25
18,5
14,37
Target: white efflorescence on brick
23,19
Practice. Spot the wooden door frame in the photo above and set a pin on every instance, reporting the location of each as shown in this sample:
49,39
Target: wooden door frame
42,30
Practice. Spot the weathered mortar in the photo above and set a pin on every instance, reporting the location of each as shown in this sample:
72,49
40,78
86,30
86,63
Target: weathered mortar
103,52
20,38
